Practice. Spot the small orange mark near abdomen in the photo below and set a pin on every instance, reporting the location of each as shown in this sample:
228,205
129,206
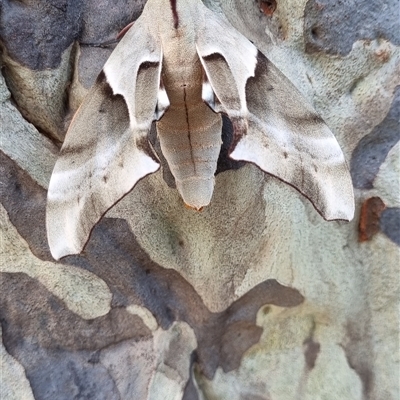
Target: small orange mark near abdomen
193,208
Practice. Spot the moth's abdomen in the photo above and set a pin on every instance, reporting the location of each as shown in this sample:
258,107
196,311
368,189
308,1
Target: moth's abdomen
192,158
190,138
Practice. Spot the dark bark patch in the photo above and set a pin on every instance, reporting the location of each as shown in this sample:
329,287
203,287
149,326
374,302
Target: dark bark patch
25,203
36,33
115,256
55,346
390,224
358,350
190,392
333,26
30,310
311,351
237,338
373,148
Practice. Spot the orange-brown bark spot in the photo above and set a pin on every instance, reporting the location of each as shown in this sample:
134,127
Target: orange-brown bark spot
370,214
267,7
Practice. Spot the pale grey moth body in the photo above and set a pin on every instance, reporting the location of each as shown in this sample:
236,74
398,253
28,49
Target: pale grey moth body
183,65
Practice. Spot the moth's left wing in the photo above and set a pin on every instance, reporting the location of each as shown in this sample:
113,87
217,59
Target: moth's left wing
274,126
106,151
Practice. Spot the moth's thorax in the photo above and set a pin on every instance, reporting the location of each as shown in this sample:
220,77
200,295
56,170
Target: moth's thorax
171,14
174,23
180,58
182,73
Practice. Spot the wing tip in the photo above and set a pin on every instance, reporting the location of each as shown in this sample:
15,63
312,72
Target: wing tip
339,215
338,200
60,250
61,240
343,212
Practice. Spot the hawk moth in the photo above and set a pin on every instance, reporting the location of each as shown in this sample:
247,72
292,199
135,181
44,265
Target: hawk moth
182,65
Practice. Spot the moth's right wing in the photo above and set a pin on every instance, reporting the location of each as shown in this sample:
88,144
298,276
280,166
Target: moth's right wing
106,150
274,126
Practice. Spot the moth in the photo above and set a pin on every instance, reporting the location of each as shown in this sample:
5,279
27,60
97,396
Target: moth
182,65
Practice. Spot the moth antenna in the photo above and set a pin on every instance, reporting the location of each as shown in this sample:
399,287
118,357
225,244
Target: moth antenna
124,30
102,44
120,35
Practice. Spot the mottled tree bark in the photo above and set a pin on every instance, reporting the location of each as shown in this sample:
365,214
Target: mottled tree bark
255,297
